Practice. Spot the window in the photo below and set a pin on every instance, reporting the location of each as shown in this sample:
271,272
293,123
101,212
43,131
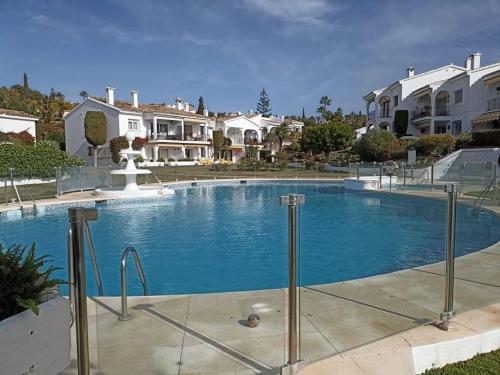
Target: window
396,100
456,127
440,127
458,96
90,151
133,125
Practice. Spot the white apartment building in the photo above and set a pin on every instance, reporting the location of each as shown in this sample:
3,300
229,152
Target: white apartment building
251,129
173,131
17,121
450,99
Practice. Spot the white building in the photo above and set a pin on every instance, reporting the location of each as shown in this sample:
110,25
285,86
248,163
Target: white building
17,121
173,131
251,129
450,99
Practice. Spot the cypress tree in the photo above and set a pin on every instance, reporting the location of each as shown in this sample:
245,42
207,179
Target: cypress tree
25,81
201,106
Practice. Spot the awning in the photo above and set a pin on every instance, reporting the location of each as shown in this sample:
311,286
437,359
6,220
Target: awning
486,117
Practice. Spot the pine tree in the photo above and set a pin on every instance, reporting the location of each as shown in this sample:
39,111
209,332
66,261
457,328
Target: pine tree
263,106
201,106
25,81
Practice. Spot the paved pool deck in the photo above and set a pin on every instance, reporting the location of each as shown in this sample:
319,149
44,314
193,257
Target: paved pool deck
376,325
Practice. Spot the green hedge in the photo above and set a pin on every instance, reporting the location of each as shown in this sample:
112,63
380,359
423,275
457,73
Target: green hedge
377,145
96,130
34,162
435,143
485,138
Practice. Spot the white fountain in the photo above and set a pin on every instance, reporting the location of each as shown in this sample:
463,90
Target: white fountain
131,189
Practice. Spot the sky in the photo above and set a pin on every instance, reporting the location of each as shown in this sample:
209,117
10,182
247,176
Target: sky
228,50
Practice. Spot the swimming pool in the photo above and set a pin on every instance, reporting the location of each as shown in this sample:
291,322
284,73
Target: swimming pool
228,237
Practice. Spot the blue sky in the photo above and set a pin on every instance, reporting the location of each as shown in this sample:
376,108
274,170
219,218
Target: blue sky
227,50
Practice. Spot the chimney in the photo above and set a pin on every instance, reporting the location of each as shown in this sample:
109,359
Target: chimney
178,104
238,113
135,98
468,63
205,112
476,60
110,92
250,112
410,72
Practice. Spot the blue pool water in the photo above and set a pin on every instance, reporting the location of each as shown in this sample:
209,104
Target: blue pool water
234,237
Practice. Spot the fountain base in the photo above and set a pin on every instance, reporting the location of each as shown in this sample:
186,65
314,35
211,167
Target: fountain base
140,192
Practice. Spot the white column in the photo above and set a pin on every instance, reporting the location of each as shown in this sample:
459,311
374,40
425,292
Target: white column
433,113
183,151
182,133
155,128
206,153
155,152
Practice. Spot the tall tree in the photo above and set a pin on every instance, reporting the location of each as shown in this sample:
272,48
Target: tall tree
201,106
25,81
323,109
84,94
303,114
263,106
283,133
96,132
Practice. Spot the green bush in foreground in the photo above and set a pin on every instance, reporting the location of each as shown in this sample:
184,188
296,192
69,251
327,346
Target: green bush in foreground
441,144
24,280
34,162
377,145
481,364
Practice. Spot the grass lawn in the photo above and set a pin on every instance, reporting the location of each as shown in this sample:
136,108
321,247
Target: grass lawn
168,174
482,364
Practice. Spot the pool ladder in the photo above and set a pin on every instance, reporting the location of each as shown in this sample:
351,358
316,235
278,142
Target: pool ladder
95,267
123,279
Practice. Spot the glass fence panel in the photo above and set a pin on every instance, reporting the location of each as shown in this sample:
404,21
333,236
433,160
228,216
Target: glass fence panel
95,177
26,188
69,179
477,249
215,259
364,258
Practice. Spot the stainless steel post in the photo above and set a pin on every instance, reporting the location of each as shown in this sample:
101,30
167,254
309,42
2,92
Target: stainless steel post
77,217
380,176
81,178
432,176
292,201
404,175
11,172
357,171
448,311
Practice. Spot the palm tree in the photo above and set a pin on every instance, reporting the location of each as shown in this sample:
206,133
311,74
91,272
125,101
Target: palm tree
324,104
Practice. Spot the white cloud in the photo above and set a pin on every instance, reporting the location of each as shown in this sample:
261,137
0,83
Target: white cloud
197,41
305,12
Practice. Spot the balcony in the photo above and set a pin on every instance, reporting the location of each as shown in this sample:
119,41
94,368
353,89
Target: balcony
493,104
235,140
251,141
166,136
442,110
421,112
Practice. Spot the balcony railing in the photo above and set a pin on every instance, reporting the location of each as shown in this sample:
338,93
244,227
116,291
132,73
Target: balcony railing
384,113
236,140
421,112
442,110
371,115
493,104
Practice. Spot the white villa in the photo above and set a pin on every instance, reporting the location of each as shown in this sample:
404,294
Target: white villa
450,99
251,129
173,131
17,121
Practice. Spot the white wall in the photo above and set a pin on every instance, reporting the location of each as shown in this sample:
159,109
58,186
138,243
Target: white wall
75,130
17,124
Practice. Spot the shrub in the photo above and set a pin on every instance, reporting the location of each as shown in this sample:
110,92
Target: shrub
139,159
161,160
401,122
120,143
36,162
171,159
48,144
96,131
377,145
463,140
281,156
435,143
21,138
24,280
487,137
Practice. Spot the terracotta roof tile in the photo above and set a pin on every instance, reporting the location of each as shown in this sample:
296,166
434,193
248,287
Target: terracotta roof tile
11,112
152,108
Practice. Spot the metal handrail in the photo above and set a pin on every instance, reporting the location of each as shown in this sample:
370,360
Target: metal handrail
123,278
71,277
95,267
481,198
